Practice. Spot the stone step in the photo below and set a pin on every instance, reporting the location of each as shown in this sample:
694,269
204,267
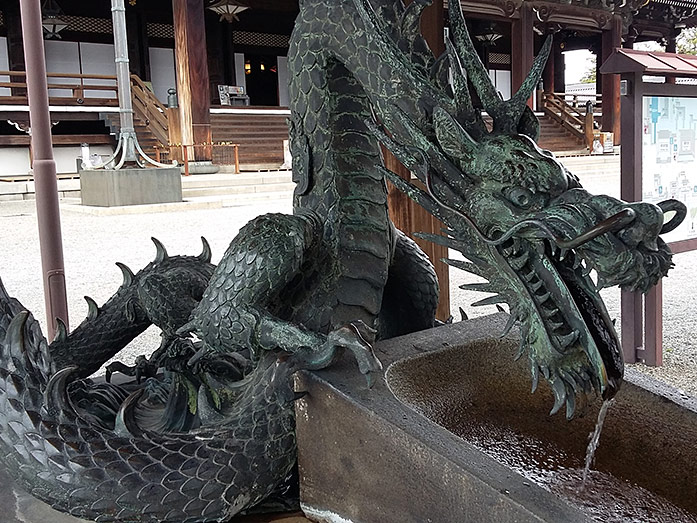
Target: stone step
237,189
231,180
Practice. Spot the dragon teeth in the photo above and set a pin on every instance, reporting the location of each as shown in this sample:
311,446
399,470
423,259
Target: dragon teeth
568,339
519,262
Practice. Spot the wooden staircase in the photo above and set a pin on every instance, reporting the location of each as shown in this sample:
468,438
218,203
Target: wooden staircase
149,118
554,137
260,136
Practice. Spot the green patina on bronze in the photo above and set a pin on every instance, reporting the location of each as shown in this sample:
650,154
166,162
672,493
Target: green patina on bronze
210,432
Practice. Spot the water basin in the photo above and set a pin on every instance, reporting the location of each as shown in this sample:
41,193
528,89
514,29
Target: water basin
645,467
453,434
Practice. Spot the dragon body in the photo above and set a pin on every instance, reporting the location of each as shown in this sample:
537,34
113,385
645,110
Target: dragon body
210,433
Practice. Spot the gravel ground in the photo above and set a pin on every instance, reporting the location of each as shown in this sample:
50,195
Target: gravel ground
94,243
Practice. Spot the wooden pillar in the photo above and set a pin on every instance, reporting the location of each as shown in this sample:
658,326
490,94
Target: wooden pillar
138,46
216,56
548,76
611,39
15,45
631,166
559,67
407,215
192,76
522,47
672,47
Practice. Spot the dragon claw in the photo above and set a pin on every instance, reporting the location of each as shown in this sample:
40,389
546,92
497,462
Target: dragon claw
354,337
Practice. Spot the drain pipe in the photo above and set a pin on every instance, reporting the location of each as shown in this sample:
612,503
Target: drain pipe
47,210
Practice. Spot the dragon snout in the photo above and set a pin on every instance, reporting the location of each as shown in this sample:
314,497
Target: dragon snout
652,221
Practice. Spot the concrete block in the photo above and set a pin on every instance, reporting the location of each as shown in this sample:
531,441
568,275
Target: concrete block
110,188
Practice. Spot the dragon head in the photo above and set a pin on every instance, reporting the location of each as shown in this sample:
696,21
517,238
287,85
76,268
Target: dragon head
520,219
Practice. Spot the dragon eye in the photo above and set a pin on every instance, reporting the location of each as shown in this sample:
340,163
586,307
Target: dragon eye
519,196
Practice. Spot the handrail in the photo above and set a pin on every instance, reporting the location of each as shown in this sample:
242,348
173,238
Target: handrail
556,107
102,82
146,106
149,109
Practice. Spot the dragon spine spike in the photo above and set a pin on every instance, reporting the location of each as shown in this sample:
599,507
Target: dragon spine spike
127,274
206,254
92,308
463,314
14,337
56,399
125,425
161,253
61,331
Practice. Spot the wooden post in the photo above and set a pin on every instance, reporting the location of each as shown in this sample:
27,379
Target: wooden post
549,73
611,39
672,47
407,215
559,67
192,75
653,343
631,162
523,52
137,36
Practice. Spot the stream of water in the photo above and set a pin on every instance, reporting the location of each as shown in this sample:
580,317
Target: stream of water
595,440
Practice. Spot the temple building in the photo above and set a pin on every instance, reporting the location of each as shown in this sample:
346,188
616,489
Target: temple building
223,63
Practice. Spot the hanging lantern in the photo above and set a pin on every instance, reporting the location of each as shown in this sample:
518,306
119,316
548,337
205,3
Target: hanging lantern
228,9
51,21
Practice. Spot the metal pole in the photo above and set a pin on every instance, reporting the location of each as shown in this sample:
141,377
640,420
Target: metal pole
123,78
47,210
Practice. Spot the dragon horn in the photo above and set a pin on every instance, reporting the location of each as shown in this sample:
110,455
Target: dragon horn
473,65
518,101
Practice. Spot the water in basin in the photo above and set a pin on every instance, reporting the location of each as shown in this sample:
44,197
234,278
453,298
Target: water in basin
645,467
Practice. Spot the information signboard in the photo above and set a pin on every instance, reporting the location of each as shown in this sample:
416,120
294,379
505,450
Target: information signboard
668,157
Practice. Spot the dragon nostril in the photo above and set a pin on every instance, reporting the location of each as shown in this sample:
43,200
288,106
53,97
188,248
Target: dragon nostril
679,210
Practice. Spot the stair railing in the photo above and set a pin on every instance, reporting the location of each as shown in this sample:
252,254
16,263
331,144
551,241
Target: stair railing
150,110
578,119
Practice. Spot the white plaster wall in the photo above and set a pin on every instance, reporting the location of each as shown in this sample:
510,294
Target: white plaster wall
4,65
98,59
62,57
162,72
240,77
502,82
66,156
15,160
283,80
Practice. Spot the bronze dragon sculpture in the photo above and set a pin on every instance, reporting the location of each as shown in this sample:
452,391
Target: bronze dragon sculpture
210,430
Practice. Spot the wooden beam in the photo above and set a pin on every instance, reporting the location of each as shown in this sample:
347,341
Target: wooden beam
407,215
192,76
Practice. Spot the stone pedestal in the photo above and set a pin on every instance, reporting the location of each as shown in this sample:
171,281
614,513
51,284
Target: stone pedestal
110,188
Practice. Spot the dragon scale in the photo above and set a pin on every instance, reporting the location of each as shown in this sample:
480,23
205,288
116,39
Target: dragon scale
209,432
